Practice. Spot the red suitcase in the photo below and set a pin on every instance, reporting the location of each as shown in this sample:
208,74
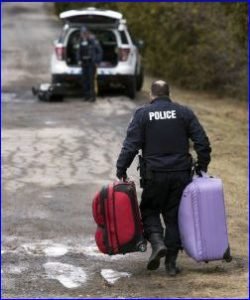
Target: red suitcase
116,212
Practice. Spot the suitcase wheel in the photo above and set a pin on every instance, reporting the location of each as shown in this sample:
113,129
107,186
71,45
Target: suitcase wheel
227,255
228,259
142,247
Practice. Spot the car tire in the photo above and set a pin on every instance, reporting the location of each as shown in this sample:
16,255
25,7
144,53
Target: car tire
46,97
131,87
140,79
55,98
55,79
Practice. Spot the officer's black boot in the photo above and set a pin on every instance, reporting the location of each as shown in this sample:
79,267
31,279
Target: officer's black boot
158,250
92,99
170,263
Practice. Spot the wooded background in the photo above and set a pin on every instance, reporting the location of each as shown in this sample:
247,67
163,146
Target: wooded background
200,46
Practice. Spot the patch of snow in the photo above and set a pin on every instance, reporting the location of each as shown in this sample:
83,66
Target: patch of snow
30,248
56,250
47,247
9,97
112,276
49,196
68,275
16,269
92,250
50,122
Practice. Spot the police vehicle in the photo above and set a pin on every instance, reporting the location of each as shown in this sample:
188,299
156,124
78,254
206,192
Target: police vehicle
122,61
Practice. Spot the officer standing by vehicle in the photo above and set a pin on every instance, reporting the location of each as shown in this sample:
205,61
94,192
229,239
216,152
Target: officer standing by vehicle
90,54
162,129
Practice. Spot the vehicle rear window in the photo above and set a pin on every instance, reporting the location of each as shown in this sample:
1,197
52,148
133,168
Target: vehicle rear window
105,37
123,37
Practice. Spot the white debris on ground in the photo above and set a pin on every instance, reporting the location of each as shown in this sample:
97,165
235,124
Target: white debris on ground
92,250
55,250
9,97
12,98
47,196
47,247
15,269
50,248
112,276
68,275
48,122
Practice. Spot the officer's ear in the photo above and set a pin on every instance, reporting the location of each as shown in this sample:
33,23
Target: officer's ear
151,96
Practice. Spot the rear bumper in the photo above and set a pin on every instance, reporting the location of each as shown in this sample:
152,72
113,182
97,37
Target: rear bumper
113,79
122,68
72,79
76,79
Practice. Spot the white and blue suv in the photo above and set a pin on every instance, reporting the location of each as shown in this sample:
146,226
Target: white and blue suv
121,64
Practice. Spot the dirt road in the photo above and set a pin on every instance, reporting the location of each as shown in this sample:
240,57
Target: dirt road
57,155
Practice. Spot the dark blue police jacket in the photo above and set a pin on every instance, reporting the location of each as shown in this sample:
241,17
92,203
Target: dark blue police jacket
90,51
162,130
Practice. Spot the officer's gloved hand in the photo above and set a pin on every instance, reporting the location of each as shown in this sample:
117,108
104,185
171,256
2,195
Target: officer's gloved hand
200,171
121,174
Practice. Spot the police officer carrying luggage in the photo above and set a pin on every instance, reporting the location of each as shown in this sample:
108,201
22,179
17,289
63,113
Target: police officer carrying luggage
90,54
162,129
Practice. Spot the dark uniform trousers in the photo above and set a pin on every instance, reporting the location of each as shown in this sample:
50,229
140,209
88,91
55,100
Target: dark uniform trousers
90,54
88,78
161,195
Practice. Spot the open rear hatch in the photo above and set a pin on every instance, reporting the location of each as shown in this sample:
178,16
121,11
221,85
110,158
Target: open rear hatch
92,17
101,23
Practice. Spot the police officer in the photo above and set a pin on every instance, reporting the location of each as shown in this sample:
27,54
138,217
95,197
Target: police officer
90,54
162,129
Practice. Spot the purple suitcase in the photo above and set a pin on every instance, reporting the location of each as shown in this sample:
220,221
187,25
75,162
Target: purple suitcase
202,220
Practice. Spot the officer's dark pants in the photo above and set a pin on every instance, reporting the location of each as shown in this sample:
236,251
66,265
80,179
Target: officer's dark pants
88,80
161,196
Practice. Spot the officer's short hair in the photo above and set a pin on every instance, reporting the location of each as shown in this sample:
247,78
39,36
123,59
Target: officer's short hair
159,88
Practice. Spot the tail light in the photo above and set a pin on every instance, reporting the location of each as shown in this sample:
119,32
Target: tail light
123,54
60,52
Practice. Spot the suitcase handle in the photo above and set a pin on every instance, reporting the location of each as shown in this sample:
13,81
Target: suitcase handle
203,175
123,179
200,173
